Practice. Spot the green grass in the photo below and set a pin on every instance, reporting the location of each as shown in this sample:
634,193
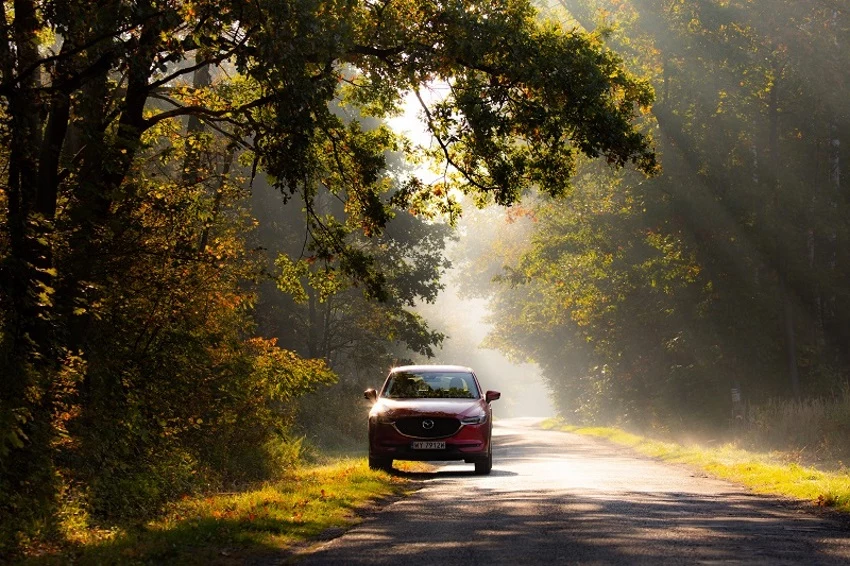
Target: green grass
228,528
770,473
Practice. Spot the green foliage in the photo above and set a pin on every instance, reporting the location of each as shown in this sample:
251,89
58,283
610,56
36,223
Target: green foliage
647,301
132,367
594,300
329,315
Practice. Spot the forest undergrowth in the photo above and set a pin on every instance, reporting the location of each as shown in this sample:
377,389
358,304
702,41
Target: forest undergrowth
810,431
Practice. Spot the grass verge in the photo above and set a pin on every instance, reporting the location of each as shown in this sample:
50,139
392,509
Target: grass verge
230,528
763,473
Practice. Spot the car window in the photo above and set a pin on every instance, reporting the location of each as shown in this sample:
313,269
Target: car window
427,385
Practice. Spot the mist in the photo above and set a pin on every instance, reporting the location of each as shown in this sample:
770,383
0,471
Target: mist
464,320
709,298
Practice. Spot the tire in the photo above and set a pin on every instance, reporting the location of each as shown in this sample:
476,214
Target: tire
385,464
484,465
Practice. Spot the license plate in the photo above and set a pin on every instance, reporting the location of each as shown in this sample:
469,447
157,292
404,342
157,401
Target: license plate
431,445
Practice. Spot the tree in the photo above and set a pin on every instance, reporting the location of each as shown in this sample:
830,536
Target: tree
715,274
323,314
89,90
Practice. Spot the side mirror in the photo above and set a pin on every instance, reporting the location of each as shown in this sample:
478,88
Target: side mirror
371,395
492,396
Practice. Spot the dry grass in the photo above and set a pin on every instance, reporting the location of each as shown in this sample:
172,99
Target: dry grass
817,430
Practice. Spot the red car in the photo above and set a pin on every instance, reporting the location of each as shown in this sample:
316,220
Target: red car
431,412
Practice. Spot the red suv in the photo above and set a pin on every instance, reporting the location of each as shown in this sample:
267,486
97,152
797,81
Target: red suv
430,412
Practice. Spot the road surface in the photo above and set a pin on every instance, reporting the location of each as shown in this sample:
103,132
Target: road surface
558,498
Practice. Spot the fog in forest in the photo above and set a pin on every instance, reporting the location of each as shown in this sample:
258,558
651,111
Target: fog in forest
461,308
215,235
709,297
524,393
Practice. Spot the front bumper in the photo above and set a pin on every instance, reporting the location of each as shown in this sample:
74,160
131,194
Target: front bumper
468,443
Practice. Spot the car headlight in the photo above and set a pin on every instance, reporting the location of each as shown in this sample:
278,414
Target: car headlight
384,418
475,419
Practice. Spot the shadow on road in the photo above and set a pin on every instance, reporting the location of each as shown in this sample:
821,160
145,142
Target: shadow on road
560,499
533,528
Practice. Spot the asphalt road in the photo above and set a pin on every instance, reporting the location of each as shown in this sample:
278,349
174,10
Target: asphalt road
558,498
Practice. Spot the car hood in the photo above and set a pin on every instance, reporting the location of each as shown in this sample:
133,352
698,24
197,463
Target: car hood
398,408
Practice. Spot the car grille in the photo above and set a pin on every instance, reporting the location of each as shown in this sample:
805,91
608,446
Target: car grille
413,426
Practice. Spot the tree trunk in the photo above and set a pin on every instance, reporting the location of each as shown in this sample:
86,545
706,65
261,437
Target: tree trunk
313,324
29,252
102,174
785,303
834,195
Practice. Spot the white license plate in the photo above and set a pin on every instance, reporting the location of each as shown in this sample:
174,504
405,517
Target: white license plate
428,445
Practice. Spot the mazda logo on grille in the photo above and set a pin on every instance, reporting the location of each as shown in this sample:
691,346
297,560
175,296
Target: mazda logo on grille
427,424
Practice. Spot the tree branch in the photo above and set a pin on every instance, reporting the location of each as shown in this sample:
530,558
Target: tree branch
208,61
466,174
203,111
13,82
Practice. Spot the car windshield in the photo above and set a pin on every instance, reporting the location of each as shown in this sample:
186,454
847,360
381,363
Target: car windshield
428,385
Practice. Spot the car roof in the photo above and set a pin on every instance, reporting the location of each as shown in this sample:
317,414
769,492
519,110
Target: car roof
431,367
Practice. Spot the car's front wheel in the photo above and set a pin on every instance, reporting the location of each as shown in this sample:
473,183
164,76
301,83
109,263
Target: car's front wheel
484,465
377,463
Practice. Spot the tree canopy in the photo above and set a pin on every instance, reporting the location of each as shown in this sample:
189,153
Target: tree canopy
648,301
131,133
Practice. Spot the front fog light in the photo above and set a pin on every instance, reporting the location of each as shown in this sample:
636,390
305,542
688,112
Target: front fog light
475,419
